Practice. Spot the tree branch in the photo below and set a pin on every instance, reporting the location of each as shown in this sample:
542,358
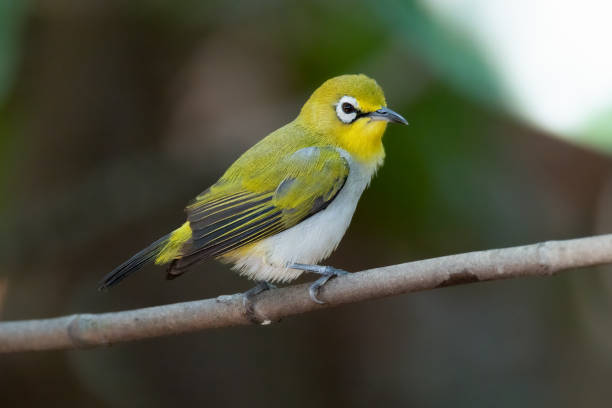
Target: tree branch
90,330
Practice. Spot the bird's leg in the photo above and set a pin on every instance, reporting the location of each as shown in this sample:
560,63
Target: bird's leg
326,272
247,300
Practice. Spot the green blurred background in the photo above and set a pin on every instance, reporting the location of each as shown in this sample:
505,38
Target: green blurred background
113,115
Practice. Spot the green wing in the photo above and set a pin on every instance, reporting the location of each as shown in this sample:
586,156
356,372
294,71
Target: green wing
261,202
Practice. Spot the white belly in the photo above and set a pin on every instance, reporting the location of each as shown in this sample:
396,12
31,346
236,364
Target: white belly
311,240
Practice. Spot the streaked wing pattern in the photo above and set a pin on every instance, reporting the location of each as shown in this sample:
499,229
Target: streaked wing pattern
227,217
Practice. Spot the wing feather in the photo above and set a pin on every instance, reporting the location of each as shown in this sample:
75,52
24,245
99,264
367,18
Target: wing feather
264,202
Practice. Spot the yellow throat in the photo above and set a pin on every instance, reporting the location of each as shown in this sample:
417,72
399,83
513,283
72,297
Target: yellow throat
359,134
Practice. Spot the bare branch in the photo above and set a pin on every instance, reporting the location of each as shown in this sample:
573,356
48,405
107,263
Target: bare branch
90,330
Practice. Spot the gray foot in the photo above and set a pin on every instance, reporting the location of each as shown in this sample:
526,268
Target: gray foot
327,273
249,305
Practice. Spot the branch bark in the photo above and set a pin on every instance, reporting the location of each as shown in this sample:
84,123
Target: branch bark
91,330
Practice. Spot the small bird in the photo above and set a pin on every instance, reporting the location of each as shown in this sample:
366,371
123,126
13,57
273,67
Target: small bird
285,204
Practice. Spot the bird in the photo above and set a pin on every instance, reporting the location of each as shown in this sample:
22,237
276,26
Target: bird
285,204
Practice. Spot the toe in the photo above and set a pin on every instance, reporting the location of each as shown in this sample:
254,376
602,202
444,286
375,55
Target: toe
331,271
314,292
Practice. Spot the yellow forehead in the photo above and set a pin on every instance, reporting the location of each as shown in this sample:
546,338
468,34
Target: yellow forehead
364,89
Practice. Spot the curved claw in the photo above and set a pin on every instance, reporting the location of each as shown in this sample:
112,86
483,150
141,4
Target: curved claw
328,273
314,289
249,305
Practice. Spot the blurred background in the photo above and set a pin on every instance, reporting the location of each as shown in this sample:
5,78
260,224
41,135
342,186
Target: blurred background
114,114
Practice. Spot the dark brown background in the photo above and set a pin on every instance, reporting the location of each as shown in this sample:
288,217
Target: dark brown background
113,115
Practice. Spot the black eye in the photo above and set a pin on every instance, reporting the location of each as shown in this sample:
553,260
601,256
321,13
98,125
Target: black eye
347,108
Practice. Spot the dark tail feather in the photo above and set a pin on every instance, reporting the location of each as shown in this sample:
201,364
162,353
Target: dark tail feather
133,264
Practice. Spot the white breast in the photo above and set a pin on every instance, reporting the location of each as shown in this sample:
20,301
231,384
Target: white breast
311,240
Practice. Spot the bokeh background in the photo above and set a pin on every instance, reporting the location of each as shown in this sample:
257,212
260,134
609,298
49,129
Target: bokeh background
114,114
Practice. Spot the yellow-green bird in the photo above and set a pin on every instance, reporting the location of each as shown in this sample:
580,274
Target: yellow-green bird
285,204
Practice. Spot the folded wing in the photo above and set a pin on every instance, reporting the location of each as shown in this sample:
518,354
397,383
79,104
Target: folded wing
237,212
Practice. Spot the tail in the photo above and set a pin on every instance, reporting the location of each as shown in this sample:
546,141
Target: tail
162,251
133,264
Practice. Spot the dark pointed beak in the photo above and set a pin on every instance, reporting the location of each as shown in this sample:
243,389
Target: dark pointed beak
388,115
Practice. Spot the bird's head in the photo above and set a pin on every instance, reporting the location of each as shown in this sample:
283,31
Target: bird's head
350,112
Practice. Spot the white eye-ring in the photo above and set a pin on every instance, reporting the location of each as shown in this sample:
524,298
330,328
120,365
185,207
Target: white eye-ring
347,109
